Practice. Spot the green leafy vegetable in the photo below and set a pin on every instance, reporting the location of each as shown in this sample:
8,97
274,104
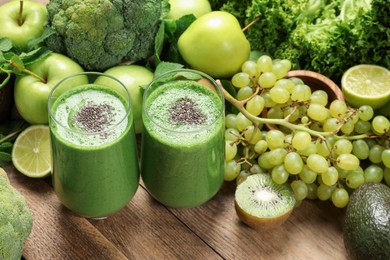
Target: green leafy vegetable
321,35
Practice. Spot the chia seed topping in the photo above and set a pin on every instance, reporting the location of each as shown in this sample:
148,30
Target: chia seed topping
184,111
94,118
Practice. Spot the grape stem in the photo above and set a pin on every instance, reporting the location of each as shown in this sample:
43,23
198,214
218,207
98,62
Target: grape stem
240,105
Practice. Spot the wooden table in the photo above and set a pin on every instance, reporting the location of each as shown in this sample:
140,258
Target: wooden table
147,230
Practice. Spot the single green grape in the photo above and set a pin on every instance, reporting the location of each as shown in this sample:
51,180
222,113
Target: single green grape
301,92
300,189
347,161
380,124
256,105
342,146
279,95
232,134
373,173
277,156
375,154
230,120
293,163
340,197
324,192
275,112
301,140
263,161
242,122
362,127
319,97
330,177
232,169
360,149
244,93
385,156
260,147
275,139
331,124
240,79
279,174
348,127
365,112
318,112
230,150
317,163
250,67
307,175
354,179
267,80
264,63
338,108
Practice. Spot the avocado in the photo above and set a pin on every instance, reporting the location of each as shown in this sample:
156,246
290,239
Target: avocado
367,222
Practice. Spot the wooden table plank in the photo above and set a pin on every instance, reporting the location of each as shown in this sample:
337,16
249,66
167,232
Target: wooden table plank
314,231
142,230
147,230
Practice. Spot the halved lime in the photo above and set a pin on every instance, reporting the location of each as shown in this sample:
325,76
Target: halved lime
31,152
366,84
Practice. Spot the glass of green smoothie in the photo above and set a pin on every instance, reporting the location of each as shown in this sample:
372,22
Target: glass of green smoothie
95,169
182,152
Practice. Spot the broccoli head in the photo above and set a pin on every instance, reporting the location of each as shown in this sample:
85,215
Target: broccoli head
15,220
99,34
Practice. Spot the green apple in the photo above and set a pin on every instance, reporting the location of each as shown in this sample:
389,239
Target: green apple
20,28
31,93
133,77
180,8
215,44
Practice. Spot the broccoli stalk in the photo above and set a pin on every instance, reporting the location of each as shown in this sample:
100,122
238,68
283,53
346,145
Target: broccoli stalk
15,220
99,34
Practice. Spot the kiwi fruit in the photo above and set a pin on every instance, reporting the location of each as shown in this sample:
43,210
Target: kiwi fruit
263,204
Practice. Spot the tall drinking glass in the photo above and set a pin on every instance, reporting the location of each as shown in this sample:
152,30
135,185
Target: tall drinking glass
182,153
95,167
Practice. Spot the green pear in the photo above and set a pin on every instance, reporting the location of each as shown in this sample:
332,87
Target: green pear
215,44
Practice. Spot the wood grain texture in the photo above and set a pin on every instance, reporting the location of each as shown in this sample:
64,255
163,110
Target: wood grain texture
147,230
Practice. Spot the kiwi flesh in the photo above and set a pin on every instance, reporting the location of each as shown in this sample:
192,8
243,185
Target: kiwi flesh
263,204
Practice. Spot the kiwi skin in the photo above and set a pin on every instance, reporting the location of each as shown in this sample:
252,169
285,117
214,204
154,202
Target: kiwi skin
265,223
260,224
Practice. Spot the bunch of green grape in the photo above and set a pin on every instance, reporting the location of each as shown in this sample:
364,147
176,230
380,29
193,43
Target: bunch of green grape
323,148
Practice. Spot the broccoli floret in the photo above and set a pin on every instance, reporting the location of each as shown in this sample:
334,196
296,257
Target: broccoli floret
99,34
15,220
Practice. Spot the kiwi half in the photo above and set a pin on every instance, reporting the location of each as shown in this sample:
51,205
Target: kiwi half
263,204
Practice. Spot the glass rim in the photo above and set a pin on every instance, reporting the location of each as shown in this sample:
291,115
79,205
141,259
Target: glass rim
87,73
204,75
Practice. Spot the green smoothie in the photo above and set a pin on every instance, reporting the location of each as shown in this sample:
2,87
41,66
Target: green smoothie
182,161
95,169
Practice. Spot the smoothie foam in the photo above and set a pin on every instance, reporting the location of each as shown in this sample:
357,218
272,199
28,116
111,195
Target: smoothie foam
101,104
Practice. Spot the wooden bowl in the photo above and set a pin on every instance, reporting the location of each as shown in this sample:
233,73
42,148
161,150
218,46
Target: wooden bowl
315,81
318,81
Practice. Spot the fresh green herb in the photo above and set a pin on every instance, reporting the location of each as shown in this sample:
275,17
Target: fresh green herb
12,61
8,133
